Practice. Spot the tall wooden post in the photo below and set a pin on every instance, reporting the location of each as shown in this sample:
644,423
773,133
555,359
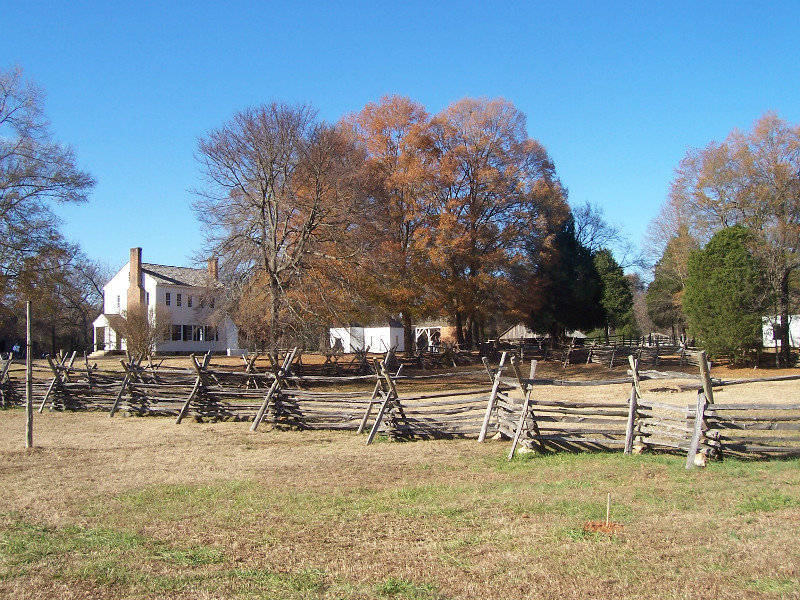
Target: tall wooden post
29,383
705,376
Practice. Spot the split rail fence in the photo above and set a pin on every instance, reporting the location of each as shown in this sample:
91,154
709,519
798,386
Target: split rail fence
507,404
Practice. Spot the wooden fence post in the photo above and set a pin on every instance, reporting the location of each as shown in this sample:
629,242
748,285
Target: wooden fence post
28,382
527,388
492,399
274,388
705,374
699,416
636,393
389,393
56,383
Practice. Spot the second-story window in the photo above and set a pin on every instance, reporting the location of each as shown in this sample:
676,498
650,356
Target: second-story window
178,299
167,298
118,303
189,301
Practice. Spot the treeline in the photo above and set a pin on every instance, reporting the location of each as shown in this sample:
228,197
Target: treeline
36,262
394,211
727,242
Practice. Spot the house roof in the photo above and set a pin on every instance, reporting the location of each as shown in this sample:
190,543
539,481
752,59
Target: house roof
389,322
115,321
177,275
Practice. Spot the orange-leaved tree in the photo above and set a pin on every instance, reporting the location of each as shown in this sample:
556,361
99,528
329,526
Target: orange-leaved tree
496,191
395,137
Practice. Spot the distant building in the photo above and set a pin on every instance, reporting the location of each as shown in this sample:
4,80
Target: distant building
378,337
768,331
517,332
189,298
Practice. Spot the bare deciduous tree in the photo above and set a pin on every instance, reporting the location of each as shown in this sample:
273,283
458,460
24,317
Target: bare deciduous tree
279,193
595,233
35,171
143,328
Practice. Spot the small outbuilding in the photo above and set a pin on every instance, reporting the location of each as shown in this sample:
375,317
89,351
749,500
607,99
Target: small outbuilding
770,331
377,337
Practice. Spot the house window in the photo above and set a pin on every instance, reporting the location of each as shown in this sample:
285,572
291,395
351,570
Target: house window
178,299
202,302
187,332
212,302
211,334
167,298
189,301
147,298
197,335
176,332
118,304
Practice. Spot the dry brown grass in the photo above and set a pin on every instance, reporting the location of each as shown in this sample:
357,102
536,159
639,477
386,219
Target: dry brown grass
141,508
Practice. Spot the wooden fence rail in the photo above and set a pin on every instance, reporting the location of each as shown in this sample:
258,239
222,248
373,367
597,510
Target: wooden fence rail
507,403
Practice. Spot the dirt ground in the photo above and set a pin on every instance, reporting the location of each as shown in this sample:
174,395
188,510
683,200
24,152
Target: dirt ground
288,514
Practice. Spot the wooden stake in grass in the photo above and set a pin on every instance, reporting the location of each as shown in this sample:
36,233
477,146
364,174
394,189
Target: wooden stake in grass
608,510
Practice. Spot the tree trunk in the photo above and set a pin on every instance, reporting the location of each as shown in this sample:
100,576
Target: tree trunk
459,330
555,336
408,334
785,353
274,295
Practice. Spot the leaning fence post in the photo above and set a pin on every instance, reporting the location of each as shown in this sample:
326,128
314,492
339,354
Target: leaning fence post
125,382
705,374
699,416
492,399
273,389
633,407
527,389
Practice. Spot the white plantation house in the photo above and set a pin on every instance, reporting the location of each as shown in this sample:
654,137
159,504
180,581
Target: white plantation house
187,297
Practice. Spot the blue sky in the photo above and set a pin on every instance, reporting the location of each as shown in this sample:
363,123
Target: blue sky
616,91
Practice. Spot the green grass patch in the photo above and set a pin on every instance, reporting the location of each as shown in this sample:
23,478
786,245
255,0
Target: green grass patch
102,556
780,586
394,587
766,502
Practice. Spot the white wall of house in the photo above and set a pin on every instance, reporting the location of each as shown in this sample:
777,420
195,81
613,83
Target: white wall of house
186,313
115,292
192,320
767,331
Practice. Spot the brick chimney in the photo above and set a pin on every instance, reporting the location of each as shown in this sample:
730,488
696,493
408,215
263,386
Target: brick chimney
213,269
136,282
